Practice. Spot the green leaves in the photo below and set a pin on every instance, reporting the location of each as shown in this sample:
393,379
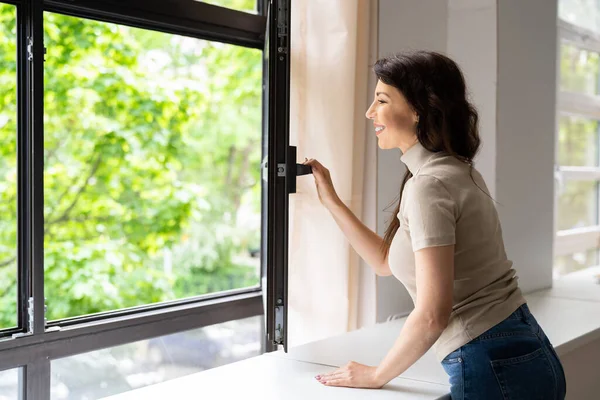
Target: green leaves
8,166
152,166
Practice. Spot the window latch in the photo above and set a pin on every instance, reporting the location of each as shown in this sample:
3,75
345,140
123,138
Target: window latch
29,49
278,340
29,318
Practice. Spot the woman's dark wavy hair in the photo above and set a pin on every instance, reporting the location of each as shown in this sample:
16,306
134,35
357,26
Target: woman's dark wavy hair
435,88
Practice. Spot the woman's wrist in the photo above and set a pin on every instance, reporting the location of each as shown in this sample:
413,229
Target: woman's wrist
334,204
379,377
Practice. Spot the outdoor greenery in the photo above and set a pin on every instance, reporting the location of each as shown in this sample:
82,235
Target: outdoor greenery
8,163
152,146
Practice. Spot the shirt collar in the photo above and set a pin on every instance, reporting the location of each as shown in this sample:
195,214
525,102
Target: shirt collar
415,157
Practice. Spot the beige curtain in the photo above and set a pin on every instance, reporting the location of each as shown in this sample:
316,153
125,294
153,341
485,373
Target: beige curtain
329,76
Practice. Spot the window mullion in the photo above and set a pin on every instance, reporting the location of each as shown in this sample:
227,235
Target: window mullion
579,173
23,189
578,36
37,380
579,104
35,133
94,336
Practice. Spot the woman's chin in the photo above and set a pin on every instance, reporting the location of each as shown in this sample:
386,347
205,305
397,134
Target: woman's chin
383,145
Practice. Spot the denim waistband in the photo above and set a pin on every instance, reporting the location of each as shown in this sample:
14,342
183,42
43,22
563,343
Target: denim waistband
523,313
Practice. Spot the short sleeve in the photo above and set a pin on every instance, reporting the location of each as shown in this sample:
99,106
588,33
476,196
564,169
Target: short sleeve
431,213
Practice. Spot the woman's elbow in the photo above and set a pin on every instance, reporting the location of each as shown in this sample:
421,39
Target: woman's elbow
439,324
435,321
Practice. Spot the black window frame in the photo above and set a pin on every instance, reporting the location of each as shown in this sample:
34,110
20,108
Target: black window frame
35,342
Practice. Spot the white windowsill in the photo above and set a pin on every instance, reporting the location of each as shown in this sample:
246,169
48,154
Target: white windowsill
569,313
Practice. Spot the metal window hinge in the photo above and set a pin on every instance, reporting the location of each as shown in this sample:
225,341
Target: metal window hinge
283,26
30,314
278,323
30,50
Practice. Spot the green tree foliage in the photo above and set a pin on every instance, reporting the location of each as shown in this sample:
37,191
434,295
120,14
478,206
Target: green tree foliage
152,165
8,165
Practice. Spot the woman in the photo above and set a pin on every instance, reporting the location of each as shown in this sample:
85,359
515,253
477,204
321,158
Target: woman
445,245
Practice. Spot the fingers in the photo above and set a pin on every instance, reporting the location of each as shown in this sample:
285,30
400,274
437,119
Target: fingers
334,374
319,171
339,379
329,376
337,376
313,163
337,382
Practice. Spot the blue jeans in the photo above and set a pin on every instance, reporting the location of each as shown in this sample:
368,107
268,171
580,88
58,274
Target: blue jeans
514,360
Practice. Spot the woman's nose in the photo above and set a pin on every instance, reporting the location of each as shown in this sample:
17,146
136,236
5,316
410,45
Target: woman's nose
369,113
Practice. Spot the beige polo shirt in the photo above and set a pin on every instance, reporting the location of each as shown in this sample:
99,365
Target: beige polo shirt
442,206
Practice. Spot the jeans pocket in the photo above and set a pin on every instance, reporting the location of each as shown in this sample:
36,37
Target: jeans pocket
528,376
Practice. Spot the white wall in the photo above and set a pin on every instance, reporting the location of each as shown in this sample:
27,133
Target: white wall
526,108
581,372
507,51
403,25
477,56
367,294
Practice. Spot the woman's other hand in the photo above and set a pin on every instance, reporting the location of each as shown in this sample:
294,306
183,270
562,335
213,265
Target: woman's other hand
353,375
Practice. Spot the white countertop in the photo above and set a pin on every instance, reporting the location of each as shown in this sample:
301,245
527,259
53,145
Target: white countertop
266,378
366,346
569,313
569,322
580,285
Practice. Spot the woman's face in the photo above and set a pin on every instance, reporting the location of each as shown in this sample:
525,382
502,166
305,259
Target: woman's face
394,119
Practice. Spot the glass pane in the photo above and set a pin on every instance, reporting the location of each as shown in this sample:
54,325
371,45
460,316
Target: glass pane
578,142
585,13
120,369
241,5
578,70
9,384
152,166
575,262
8,166
578,205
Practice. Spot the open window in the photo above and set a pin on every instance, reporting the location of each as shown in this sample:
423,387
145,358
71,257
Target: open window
151,144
